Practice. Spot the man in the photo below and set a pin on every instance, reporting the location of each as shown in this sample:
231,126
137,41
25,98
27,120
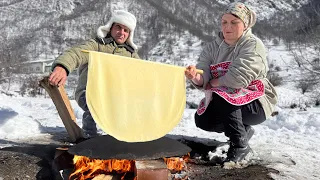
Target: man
116,37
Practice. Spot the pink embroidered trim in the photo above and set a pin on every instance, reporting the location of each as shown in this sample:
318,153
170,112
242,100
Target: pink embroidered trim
236,97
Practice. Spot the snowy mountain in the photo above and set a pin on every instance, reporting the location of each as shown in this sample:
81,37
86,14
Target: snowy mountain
31,28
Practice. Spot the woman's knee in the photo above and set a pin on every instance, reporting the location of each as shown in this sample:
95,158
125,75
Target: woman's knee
207,125
199,121
253,113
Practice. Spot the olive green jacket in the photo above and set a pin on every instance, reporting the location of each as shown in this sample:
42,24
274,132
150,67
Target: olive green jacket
74,58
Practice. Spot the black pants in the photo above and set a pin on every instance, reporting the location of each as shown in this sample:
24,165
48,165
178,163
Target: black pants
88,124
221,116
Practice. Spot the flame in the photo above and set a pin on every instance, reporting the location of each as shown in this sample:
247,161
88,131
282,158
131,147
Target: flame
177,163
86,168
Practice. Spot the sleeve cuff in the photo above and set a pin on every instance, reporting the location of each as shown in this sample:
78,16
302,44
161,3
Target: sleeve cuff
60,65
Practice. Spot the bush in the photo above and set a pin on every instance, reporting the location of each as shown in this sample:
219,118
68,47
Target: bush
271,65
277,68
305,86
275,42
294,105
317,102
30,87
275,79
316,64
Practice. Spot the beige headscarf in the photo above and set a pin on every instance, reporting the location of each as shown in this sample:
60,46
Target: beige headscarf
239,9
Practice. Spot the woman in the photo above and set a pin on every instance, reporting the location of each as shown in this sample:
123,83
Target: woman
237,92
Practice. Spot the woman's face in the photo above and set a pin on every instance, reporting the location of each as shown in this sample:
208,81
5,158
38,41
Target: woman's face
232,28
120,33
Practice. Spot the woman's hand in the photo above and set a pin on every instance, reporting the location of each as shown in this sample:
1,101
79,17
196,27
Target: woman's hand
190,72
214,83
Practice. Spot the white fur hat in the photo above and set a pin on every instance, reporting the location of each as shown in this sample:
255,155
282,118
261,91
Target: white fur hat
121,17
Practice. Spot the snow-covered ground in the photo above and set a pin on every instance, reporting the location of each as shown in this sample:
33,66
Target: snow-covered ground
287,142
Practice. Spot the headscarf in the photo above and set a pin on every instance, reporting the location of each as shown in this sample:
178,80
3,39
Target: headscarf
242,11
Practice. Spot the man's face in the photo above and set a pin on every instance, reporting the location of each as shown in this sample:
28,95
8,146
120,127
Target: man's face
120,33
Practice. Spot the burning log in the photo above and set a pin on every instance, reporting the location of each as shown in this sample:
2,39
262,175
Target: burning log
176,164
106,177
151,169
86,168
62,103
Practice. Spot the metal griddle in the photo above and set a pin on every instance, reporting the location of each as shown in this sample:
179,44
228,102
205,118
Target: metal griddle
107,147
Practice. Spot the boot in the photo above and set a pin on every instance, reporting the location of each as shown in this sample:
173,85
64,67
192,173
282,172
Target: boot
238,150
237,154
250,131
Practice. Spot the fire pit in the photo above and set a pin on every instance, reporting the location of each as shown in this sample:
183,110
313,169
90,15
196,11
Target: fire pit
106,157
144,159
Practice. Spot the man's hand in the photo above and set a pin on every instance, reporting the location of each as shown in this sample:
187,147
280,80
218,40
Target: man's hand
190,72
58,77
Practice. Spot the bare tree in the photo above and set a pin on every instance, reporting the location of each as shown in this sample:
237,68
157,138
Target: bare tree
307,54
11,55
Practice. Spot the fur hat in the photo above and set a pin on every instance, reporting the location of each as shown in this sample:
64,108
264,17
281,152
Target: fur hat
121,17
243,12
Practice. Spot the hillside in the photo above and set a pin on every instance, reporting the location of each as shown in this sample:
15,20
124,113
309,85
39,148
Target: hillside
30,28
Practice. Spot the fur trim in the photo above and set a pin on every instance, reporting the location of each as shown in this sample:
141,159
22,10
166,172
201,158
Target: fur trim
121,17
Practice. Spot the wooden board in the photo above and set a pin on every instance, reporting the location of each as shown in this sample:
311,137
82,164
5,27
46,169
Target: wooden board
65,111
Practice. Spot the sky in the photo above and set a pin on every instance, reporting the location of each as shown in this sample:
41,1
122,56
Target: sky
288,142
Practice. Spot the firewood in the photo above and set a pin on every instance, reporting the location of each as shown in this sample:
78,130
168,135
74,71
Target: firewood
106,177
151,169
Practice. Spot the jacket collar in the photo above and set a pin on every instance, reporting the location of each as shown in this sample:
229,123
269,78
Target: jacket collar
220,38
109,39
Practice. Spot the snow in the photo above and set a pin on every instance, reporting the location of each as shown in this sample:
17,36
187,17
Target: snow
287,142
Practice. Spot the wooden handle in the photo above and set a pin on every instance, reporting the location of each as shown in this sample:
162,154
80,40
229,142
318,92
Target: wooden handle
85,51
199,71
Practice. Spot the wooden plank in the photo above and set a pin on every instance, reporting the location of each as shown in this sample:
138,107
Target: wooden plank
107,177
65,111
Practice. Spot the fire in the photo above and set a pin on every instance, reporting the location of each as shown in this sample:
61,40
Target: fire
176,163
86,168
